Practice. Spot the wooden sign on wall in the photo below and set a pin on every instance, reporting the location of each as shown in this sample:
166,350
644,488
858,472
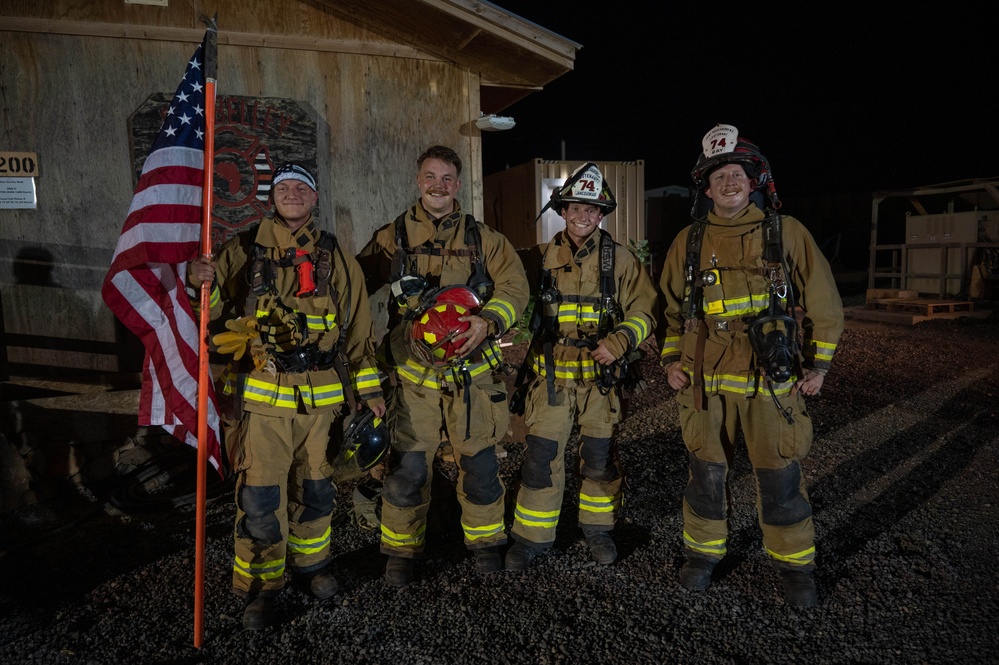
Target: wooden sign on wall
253,136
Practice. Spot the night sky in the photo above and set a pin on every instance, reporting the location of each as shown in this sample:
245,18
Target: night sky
844,101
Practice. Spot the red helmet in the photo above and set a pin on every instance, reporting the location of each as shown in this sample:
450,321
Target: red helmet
433,331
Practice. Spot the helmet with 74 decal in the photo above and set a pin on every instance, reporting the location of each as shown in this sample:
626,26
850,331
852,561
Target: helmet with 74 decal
723,145
432,339
585,185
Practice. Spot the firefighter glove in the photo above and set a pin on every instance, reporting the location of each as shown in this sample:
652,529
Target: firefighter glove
238,336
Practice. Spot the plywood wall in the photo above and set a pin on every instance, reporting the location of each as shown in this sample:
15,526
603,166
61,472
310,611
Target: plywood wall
72,73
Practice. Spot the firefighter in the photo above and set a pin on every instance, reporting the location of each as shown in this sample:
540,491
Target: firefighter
734,285
594,305
302,358
437,260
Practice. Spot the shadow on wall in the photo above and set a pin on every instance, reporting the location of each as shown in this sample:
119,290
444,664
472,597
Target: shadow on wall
48,330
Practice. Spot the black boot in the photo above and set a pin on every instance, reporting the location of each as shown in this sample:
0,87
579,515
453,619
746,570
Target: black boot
602,547
399,571
696,573
258,612
799,588
519,556
488,560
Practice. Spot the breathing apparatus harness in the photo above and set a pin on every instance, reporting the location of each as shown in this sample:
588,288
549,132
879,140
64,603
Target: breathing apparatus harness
408,282
314,270
545,332
773,332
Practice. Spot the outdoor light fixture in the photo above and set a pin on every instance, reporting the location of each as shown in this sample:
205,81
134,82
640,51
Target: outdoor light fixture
494,123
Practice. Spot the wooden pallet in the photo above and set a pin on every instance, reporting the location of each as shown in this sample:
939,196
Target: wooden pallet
910,311
923,306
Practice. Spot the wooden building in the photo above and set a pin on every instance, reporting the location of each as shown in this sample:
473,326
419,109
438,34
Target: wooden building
374,81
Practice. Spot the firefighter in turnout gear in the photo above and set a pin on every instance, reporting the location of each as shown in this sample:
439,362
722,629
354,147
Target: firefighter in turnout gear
300,335
735,284
594,306
450,392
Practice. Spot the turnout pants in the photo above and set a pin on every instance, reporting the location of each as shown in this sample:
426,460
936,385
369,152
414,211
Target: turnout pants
284,498
775,449
539,500
420,415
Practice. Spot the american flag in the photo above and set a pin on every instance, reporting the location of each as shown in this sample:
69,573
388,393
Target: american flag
145,285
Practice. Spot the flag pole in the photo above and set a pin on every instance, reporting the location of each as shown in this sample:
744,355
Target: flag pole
204,374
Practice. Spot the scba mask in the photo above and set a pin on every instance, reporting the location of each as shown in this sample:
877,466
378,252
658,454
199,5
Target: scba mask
774,338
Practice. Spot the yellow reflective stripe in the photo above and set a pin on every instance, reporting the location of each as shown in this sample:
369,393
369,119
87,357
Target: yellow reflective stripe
599,504
390,537
577,313
802,558
321,322
367,380
269,393
503,309
477,532
670,346
741,306
716,548
575,369
309,545
214,298
420,375
265,570
638,327
545,519
331,393
824,351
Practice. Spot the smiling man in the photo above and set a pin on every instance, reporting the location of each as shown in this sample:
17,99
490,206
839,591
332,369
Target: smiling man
300,335
732,283
457,286
596,304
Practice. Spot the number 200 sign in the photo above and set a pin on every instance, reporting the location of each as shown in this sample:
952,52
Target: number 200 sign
18,164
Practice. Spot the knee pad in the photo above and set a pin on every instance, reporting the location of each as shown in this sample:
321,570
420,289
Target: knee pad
481,480
536,471
260,505
705,492
317,499
596,455
780,496
402,487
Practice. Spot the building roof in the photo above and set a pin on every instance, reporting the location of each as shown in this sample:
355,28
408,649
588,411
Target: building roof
513,56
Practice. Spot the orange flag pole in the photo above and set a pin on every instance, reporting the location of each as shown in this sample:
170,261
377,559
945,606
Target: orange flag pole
204,374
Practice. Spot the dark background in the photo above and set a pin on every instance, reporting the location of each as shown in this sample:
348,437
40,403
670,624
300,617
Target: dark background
843,100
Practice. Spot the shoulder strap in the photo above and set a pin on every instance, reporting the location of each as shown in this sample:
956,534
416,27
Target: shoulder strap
479,280
401,245
692,266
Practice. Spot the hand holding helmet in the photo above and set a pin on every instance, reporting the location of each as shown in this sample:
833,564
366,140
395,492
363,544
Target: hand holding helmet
448,328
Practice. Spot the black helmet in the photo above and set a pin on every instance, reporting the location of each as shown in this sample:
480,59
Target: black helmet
723,145
365,439
585,185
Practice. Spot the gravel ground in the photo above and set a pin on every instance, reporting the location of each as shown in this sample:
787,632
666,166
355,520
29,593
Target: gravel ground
901,475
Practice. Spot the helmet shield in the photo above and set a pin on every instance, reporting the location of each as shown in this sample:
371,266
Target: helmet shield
585,185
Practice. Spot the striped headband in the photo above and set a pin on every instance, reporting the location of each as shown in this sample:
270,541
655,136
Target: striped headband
294,172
